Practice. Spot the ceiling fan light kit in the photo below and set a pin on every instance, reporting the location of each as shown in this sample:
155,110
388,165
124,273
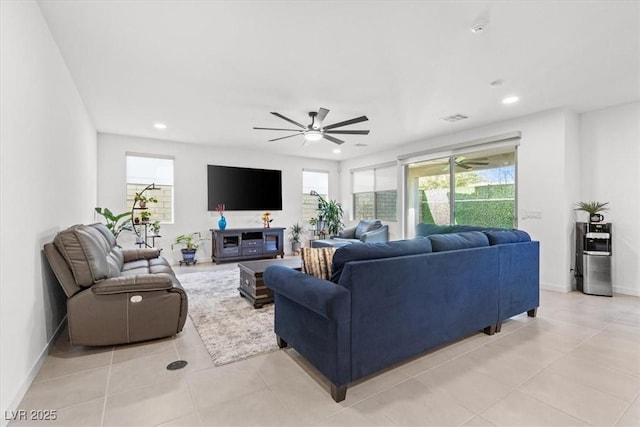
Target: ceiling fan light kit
313,135
315,131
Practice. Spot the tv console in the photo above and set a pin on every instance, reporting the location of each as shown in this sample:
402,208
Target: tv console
235,244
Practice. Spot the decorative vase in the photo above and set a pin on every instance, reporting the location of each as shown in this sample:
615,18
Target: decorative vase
222,223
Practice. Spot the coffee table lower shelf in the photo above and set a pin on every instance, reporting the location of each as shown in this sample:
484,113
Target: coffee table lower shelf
251,285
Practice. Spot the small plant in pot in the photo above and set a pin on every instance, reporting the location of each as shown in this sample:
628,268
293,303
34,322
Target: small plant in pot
593,209
296,232
144,216
190,241
143,200
155,228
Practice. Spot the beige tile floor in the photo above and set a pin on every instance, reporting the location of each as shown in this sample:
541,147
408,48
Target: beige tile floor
577,363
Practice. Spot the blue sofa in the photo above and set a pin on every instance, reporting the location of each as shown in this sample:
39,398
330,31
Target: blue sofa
387,302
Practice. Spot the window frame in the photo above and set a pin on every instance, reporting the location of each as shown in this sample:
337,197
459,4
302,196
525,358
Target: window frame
172,185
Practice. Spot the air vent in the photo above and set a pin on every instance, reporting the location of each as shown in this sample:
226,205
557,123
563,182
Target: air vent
361,145
455,118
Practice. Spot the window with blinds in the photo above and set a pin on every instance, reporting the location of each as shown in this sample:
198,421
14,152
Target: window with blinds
375,193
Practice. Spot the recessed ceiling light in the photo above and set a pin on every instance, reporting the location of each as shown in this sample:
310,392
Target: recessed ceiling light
479,27
160,126
510,100
336,151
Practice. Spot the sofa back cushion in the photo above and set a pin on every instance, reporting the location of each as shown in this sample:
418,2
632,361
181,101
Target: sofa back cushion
359,251
507,236
85,251
317,261
429,229
455,241
364,226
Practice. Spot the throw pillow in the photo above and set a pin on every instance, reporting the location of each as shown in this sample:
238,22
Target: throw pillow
317,262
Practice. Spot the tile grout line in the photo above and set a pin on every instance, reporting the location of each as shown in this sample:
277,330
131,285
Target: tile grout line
106,388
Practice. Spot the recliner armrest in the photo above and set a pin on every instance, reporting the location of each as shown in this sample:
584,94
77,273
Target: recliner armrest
379,235
135,283
138,254
348,233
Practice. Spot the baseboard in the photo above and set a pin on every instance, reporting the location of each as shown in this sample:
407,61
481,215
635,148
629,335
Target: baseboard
555,288
32,374
626,291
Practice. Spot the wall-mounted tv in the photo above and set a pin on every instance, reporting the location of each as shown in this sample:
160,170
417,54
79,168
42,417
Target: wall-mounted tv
244,189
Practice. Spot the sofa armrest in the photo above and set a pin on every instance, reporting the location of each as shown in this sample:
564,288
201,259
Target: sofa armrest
138,254
135,283
379,235
325,298
348,233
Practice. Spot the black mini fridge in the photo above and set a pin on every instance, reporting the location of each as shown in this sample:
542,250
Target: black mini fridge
593,258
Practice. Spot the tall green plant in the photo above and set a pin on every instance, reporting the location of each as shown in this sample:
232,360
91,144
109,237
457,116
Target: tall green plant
116,223
331,213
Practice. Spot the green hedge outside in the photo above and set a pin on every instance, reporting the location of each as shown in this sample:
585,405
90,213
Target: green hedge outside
477,208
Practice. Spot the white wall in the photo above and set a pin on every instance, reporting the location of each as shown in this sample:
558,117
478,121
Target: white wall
48,181
610,155
190,173
544,161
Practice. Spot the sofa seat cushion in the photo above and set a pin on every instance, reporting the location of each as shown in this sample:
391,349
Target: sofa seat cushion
135,271
362,251
134,265
331,243
507,236
317,261
365,226
160,268
455,241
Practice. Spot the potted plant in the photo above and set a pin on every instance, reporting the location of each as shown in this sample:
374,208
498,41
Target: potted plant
143,200
331,213
155,228
190,241
593,208
296,232
144,216
116,223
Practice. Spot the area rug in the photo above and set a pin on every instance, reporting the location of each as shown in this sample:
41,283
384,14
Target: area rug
229,326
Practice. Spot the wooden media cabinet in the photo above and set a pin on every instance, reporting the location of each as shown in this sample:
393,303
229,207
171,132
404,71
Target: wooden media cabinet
236,244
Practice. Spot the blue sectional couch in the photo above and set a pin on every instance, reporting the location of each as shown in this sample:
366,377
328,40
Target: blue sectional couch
387,302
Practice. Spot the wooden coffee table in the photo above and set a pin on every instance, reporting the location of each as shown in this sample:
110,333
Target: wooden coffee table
251,285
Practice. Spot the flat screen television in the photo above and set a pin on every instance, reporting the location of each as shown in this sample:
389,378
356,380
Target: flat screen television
244,189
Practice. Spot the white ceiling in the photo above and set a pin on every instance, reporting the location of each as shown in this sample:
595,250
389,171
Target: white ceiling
211,70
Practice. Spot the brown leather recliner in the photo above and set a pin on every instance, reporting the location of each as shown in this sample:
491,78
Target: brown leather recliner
114,295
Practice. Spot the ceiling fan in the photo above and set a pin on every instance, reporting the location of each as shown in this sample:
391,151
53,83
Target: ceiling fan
315,131
464,163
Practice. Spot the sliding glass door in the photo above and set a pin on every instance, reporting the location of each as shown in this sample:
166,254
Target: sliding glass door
484,184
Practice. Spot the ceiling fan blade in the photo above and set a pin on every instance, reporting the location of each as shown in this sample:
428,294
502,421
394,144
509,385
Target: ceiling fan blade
284,137
463,166
287,119
348,132
322,113
292,130
347,122
332,139
475,163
